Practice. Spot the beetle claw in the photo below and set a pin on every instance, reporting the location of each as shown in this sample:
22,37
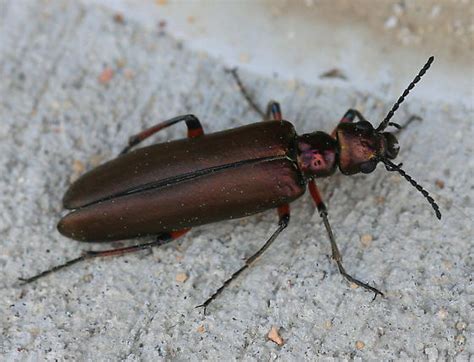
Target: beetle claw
204,306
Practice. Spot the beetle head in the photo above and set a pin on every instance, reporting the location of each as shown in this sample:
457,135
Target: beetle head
361,147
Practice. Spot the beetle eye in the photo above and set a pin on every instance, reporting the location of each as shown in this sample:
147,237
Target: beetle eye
364,125
368,167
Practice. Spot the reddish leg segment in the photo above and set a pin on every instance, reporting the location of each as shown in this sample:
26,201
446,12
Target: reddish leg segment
273,112
336,255
194,130
348,117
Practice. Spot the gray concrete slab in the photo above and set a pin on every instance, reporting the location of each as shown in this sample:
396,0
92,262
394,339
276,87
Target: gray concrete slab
57,120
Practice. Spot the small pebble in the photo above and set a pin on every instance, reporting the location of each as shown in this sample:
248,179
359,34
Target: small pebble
78,167
439,184
201,329
274,336
360,345
181,277
380,200
442,313
327,324
366,239
460,339
106,75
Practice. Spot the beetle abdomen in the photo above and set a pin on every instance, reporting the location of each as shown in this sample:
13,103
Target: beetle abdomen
233,192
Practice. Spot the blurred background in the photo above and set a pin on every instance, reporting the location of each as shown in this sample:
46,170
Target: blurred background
373,45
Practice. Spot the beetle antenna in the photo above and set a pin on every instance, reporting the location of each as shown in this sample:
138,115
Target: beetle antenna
390,166
390,114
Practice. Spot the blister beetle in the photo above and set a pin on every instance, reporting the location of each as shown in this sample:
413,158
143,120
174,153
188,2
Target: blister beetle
165,189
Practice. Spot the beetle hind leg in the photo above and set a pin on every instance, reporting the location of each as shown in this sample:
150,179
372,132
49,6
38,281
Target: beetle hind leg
284,219
336,255
162,239
192,123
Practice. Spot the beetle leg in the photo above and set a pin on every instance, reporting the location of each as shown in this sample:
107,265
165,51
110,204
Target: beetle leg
273,112
351,114
245,93
336,255
349,117
284,213
194,130
400,128
162,239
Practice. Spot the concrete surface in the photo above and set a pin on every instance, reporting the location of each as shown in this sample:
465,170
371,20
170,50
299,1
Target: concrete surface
58,117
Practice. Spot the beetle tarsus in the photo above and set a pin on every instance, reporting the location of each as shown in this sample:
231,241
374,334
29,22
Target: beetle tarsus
160,240
358,282
336,254
52,270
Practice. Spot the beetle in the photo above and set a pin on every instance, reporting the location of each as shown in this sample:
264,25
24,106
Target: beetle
166,189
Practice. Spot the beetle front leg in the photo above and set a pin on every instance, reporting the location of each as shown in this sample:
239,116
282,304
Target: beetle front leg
336,255
194,130
284,214
349,117
162,239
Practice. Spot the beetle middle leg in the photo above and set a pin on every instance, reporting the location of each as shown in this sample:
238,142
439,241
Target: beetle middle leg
192,122
161,239
352,114
273,113
284,216
336,255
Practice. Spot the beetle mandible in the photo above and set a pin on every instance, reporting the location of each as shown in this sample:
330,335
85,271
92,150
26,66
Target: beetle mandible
160,190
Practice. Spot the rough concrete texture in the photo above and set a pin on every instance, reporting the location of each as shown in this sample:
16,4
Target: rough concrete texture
57,120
